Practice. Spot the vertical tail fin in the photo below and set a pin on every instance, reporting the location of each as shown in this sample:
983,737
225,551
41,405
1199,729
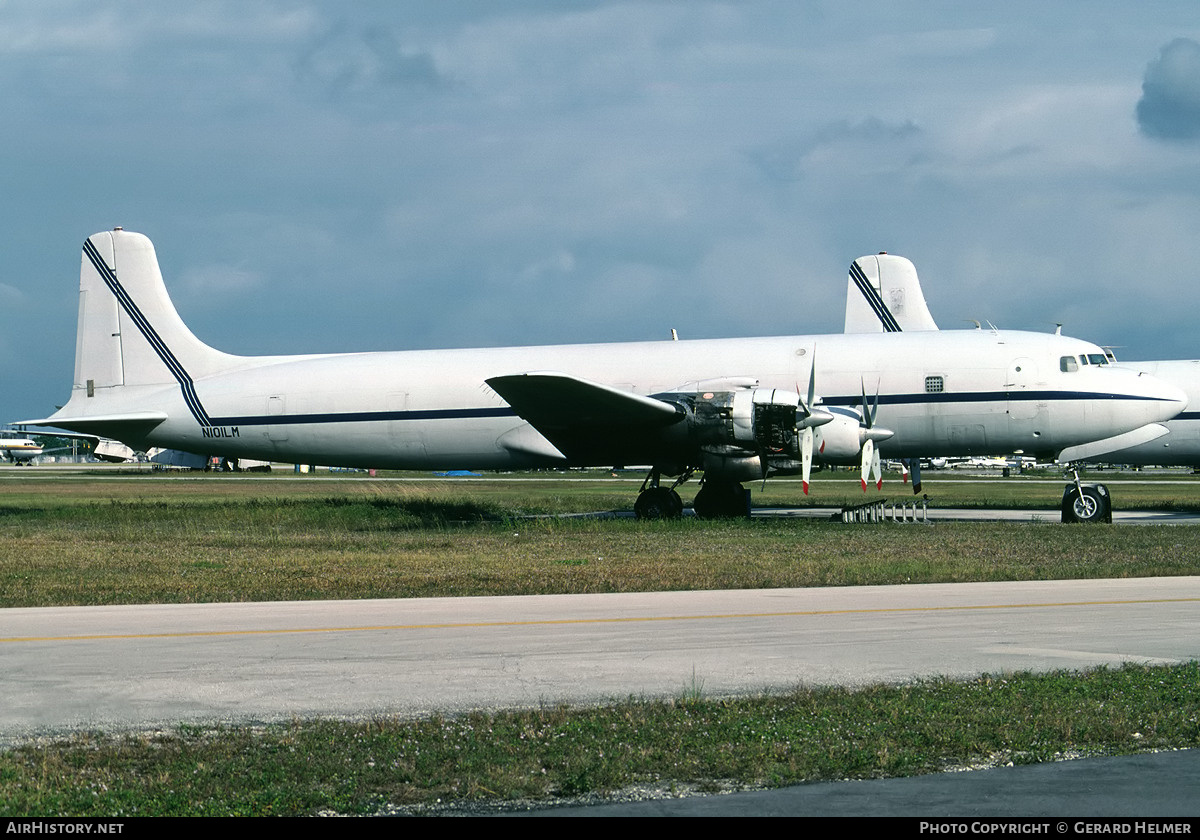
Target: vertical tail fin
129,335
129,332
883,294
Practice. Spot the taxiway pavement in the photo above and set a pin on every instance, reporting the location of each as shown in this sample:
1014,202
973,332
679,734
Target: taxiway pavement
147,666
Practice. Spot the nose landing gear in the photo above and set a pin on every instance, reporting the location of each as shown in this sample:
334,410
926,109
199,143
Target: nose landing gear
1086,502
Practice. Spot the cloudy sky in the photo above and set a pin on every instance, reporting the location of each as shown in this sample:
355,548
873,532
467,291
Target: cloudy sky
325,176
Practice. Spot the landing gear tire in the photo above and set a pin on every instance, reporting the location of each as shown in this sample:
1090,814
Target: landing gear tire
722,500
658,503
1089,503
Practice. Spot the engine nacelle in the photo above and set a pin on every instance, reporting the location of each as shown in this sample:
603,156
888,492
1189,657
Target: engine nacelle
732,465
839,441
750,418
734,430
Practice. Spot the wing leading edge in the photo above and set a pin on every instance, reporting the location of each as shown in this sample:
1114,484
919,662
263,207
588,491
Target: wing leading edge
588,422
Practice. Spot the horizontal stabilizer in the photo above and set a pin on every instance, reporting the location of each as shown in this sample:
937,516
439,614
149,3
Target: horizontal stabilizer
123,427
585,420
1090,451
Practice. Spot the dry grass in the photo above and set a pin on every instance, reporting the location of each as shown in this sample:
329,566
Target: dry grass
193,541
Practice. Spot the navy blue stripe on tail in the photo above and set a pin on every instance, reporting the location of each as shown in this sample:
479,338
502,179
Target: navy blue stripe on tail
873,299
151,335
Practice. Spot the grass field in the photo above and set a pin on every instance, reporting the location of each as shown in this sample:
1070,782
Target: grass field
481,761
113,539
148,539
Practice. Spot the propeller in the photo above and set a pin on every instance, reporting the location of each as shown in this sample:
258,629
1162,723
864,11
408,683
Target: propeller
868,421
870,433
800,425
813,417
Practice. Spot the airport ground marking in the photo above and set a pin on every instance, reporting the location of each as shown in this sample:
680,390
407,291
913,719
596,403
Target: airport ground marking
466,625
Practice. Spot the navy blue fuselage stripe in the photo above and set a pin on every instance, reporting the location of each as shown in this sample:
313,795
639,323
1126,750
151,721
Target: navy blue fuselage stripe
151,335
364,416
873,299
987,396
833,403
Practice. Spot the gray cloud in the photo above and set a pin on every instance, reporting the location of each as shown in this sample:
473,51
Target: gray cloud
10,295
342,61
218,281
1170,105
785,159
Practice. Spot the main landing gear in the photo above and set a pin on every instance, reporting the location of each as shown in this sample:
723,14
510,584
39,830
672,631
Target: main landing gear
722,500
716,499
657,502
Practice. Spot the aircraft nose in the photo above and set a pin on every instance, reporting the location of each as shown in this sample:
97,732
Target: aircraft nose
1165,400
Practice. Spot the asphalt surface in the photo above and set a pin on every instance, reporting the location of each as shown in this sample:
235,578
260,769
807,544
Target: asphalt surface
1158,788
154,665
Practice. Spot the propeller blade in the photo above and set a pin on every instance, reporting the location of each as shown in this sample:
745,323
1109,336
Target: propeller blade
904,470
869,414
806,456
916,475
877,471
809,414
812,378
868,454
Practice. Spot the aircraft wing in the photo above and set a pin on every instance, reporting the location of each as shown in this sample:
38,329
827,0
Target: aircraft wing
587,421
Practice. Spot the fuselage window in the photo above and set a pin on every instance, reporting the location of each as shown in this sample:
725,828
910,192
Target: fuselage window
933,384
1067,364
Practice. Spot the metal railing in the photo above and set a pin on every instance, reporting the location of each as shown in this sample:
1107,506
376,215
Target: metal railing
881,510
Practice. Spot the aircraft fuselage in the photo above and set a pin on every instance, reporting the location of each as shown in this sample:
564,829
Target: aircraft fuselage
430,409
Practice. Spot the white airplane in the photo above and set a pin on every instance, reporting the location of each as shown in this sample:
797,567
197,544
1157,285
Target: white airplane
22,450
1181,447
889,279
729,407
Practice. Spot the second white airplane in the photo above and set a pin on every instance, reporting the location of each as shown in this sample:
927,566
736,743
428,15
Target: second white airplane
736,409
884,295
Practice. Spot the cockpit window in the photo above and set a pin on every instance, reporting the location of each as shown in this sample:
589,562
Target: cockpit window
1096,359
1067,364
